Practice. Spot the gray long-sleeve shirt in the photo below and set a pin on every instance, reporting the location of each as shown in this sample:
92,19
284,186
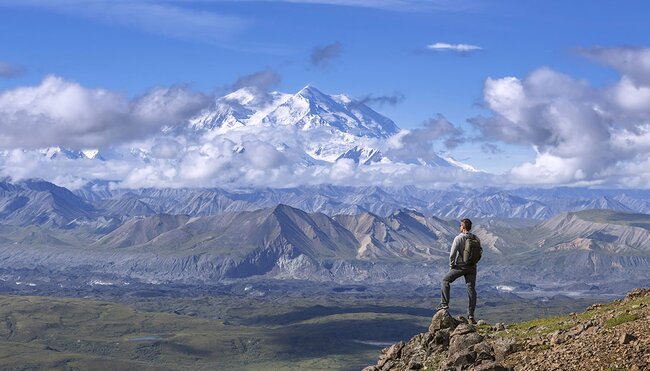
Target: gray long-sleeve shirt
456,253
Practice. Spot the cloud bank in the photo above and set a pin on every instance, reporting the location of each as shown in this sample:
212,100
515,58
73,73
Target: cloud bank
61,113
147,141
581,134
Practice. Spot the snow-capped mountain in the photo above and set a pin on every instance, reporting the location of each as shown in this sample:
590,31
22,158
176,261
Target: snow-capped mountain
307,109
54,152
244,107
251,138
310,108
326,127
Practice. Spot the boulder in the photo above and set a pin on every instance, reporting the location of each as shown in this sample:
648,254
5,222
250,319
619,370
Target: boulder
499,326
484,351
557,338
389,354
460,343
626,338
442,320
441,337
460,359
463,329
503,346
417,348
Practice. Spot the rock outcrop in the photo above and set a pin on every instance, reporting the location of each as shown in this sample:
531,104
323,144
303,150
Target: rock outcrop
615,335
450,344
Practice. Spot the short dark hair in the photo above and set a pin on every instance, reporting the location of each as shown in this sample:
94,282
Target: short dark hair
467,224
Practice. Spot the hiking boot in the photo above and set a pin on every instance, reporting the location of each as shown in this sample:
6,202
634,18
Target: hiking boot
471,320
443,307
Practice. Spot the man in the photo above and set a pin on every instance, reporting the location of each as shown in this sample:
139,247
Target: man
458,268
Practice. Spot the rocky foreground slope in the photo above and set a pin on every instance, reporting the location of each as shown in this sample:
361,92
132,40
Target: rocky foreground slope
605,336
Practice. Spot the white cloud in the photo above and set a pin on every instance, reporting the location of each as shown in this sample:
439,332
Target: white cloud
458,48
630,96
582,134
418,143
166,148
68,114
632,62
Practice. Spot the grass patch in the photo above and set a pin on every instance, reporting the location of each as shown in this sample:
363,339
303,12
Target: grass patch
619,320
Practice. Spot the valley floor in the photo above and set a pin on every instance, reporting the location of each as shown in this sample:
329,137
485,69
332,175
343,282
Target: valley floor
249,326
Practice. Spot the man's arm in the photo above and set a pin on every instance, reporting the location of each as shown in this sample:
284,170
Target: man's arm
454,251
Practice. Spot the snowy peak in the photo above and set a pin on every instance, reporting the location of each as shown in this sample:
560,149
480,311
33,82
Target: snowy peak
307,109
311,93
311,109
243,96
71,154
240,108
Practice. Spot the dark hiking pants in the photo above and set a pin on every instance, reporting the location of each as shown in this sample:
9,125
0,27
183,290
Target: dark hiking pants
470,281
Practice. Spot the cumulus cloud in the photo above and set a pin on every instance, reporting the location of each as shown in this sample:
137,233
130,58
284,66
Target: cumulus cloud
8,70
64,113
457,48
580,133
418,145
262,155
321,56
632,62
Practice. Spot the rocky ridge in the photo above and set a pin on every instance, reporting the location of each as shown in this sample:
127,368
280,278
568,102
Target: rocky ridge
606,336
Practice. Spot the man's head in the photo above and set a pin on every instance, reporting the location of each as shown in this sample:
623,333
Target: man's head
465,225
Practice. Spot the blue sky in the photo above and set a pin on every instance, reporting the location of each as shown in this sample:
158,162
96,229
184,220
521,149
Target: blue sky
129,47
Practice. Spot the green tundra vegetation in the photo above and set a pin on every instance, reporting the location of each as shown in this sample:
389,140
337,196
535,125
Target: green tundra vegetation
221,332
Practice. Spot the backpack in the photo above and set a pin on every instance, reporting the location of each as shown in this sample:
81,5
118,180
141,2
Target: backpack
472,251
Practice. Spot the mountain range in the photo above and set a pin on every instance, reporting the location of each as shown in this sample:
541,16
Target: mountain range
44,225
41,202
532,237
